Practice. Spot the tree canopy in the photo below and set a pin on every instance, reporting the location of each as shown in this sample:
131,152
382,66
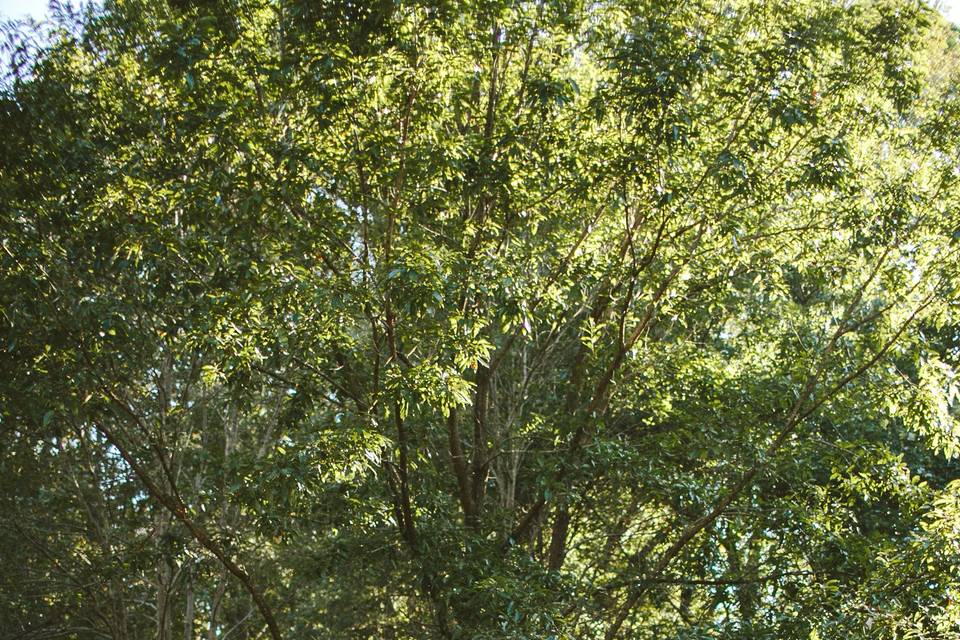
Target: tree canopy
496,319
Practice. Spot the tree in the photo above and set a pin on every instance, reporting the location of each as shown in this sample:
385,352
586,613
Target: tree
480,320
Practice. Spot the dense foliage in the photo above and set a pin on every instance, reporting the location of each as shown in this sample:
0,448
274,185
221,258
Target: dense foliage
494,319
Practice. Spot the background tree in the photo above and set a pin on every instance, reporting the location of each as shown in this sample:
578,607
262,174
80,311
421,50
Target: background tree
480,320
